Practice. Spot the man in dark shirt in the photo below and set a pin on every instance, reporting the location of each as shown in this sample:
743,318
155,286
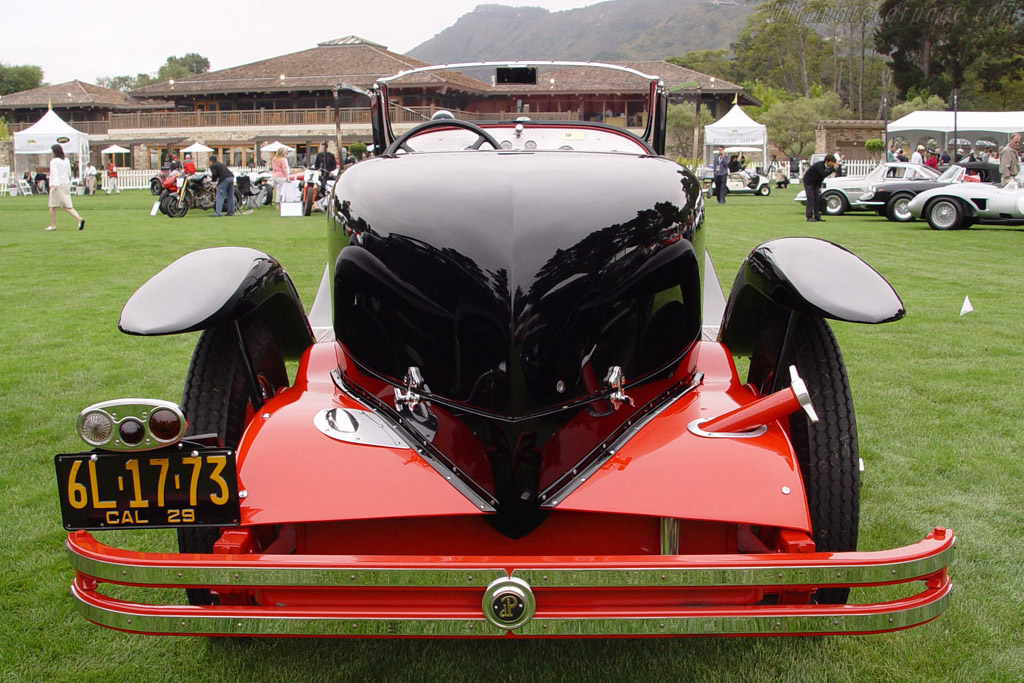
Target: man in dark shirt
813,178
720,173
326,162
225,181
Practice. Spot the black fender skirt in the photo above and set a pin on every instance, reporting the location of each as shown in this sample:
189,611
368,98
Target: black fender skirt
806,276
213,287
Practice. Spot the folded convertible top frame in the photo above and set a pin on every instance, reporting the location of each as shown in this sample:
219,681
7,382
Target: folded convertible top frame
574,596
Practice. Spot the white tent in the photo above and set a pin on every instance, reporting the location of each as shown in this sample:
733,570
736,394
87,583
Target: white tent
274,146
921,125
736,129
48,131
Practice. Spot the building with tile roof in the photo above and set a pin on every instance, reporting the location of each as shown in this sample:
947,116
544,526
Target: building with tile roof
309,97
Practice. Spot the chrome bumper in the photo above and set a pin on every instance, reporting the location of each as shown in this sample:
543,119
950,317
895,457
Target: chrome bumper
622,596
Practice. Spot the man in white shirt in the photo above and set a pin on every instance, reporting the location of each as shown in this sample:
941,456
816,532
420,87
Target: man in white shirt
917,157
90,179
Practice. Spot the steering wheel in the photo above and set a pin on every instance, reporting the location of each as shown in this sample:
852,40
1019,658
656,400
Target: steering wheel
402,141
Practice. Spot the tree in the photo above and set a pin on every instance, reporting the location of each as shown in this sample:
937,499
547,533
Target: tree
18,78
934,44
922,102
182,67
357,149
874,146
679,128
777,46
124,83
791,125
715,63
174,67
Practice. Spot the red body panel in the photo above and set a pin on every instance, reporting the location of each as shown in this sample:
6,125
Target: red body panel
294,473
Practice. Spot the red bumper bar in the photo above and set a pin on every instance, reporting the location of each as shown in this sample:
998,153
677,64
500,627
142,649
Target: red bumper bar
367,596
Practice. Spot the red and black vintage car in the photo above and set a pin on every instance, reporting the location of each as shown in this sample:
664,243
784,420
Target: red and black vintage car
522,418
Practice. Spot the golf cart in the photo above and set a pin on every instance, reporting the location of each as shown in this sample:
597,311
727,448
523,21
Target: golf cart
758,183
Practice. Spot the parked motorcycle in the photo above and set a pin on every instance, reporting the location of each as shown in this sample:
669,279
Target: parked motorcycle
192,192
156,183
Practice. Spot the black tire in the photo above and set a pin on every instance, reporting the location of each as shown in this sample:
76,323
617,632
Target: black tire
163,203
155,187
238,199
834,204
307,200
764,190
895,208
945,214
827,451
216,400
175,207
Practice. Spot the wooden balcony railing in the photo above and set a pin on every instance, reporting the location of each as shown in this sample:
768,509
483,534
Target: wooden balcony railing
296,117
277,117
90,127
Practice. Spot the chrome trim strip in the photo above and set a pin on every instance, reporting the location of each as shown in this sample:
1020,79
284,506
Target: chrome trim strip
694,428
127,618
831,622
777,573
747,621
564,486
357,426
476,494
240,575
517,63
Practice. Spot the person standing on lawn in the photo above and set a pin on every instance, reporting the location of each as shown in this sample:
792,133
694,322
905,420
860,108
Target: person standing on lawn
279,172
112,185
720,173
225,180
813,178
1009,160
60,188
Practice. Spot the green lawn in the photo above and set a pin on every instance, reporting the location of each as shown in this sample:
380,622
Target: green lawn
938,400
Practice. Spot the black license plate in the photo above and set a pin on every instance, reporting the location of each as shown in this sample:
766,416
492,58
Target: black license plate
148,490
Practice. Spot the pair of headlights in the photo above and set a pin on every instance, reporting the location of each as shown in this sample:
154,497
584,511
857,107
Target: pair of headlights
131,424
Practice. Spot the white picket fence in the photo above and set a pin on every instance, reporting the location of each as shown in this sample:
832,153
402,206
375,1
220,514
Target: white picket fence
131,179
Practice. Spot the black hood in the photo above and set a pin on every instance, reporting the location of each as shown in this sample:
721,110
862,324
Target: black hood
513,282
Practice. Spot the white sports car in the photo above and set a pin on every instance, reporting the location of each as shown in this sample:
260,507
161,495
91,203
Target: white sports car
963,204
842,194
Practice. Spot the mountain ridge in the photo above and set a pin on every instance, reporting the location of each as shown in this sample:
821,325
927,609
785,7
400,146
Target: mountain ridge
615,30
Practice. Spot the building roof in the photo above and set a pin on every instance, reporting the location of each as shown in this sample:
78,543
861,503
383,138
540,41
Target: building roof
582,79
75,94
350,60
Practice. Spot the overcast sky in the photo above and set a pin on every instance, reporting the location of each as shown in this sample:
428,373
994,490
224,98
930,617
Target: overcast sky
81,39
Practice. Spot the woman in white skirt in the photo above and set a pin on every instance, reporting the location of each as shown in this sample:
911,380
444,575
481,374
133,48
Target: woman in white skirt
60,188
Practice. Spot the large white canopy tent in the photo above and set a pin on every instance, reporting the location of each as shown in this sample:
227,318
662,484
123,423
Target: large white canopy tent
736,129
970,125
50,130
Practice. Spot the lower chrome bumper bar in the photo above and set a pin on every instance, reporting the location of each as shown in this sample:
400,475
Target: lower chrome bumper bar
367,596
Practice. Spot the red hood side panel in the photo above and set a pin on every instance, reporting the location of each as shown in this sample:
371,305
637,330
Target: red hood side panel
667,471
294,473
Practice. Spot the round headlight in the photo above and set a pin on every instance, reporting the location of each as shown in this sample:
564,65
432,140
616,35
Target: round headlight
96,429
164,424
131,431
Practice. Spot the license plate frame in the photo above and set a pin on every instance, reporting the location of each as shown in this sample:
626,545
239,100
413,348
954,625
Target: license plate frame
166,488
